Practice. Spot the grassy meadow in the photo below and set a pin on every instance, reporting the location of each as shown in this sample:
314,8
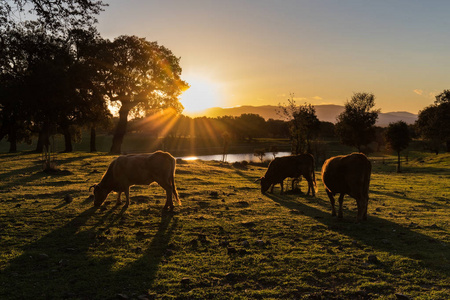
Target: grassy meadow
227,240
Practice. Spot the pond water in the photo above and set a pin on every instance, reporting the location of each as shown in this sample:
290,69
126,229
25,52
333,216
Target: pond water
231,158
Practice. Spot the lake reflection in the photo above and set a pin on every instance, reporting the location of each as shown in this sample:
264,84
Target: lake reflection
231,158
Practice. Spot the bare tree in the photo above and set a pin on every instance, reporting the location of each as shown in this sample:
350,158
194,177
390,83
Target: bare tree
304,125
260,153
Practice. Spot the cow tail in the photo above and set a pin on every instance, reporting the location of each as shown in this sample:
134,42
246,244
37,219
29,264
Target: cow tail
367,179
314,181
314,176
174,189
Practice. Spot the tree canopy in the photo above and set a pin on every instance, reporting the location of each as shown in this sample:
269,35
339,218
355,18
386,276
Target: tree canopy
433,122
141,77
398,138
60,15
356,124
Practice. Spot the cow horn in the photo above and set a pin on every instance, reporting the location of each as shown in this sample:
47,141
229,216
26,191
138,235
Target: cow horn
257,180
92,186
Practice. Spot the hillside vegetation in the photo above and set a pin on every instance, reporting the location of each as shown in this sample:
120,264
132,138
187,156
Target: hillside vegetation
227,240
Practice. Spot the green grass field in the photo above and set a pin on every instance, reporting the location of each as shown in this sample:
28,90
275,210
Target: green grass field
227,240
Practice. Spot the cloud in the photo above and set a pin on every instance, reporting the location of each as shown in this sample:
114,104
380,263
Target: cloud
418,92
426,94
317,98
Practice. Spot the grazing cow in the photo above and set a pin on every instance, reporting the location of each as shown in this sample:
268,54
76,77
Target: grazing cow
349,174
138,169
292,166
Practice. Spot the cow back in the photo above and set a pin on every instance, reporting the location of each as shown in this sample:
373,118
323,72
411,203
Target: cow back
348,174
141,169
290,166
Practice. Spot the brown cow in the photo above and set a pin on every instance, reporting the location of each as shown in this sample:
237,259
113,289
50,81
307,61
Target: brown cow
138,169
292,166
349,175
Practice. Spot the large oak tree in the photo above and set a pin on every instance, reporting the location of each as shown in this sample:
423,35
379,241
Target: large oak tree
141,77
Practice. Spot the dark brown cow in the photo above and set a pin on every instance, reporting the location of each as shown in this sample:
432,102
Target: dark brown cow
292,166
349,175
138,169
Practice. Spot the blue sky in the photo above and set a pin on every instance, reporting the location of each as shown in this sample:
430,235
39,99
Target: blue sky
258,52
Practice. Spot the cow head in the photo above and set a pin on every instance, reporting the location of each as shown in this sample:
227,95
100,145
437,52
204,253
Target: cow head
265,184
100,195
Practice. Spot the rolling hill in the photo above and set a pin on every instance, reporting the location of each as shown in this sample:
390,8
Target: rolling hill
326,112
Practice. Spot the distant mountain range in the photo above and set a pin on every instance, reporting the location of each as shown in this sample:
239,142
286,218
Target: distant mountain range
326,112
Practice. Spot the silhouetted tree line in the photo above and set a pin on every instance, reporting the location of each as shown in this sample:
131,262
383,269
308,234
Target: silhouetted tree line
245,127
58,75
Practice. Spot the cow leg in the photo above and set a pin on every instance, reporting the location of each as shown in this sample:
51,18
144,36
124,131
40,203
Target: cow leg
127,195
169,199
366,204
362,209
330,195
313,190
169,202
271,188
310,186
281,184
297,182
118,198
341,200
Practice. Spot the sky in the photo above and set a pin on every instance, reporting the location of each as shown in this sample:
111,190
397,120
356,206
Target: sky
260,52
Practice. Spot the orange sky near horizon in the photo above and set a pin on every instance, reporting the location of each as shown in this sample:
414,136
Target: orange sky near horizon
259,52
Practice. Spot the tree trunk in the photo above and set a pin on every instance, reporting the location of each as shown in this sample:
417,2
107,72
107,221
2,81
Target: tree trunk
13,143
12,137
398,162
67,139
92,146
121,129
40,143
3,131
43,139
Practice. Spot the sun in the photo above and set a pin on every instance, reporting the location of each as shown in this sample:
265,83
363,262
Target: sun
201,95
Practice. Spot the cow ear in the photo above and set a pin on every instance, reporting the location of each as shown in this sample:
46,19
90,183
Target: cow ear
92,186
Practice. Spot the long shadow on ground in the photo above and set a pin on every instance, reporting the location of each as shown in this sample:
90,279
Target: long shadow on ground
34,172
63,264
377,233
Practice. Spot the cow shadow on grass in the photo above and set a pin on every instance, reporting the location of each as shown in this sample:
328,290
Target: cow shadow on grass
34,171
403,196
376,233
69,261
